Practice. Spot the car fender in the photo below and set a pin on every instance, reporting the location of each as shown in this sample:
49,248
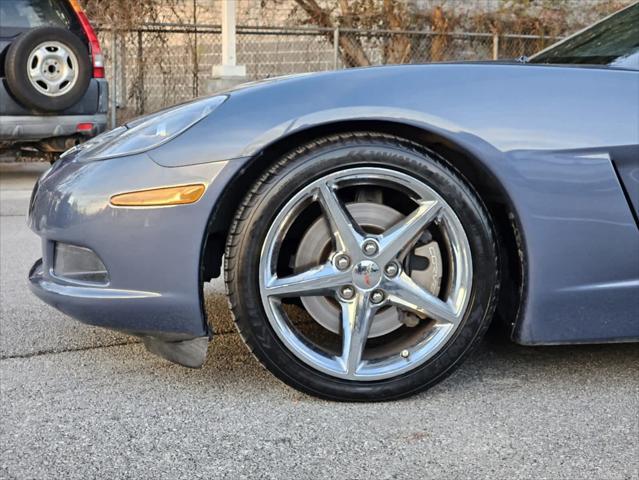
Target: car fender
545,133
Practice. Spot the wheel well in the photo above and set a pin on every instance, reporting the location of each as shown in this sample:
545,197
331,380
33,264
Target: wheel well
503,215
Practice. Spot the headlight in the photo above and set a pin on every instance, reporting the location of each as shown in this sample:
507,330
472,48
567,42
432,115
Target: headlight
158,129
95,142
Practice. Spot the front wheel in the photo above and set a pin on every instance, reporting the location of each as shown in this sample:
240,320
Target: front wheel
361,267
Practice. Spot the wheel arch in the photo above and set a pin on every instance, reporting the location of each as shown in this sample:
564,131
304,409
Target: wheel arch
499,205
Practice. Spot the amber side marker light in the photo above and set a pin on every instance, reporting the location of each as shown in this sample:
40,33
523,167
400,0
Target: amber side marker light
158,197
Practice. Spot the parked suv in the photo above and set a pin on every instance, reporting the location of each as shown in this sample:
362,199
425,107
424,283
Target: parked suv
53,94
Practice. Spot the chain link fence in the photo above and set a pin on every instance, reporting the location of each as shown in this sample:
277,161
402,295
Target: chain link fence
158,65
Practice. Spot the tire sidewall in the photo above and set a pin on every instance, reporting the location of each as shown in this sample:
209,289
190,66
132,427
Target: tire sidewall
294,175
16,69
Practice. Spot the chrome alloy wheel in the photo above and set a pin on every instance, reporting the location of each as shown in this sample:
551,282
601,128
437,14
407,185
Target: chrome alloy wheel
367,272
52,68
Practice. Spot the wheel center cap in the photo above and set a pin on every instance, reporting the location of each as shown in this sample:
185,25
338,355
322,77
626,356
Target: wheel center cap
366,275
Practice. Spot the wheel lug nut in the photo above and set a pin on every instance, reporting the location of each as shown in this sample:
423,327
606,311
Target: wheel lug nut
342,262
391,269
405,353
347,292
377,297
370,247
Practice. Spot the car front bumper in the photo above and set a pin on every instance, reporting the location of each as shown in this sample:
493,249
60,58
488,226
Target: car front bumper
152,254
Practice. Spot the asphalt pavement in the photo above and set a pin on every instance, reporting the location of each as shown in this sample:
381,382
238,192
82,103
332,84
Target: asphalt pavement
81,402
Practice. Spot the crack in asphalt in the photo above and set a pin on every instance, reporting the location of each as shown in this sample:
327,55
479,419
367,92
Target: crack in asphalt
41,353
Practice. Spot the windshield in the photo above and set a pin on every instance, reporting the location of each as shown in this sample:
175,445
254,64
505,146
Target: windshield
614,42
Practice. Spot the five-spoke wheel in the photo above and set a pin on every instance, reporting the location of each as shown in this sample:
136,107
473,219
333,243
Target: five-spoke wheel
361,267
366,272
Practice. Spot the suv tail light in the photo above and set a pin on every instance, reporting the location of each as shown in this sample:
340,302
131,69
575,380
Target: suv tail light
94,44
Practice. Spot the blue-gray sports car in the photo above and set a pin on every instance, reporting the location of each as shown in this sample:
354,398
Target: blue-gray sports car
369,223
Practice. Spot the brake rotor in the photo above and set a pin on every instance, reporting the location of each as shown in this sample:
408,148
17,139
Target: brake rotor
316,246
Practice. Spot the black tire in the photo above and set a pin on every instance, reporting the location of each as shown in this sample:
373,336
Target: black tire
279,184
16,69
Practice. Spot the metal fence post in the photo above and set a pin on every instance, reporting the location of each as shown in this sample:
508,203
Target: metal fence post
335,48
196,65
114,79
495,46
141,90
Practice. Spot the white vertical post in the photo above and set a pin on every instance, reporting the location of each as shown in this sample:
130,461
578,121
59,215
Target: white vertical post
229,67
495,46
228,32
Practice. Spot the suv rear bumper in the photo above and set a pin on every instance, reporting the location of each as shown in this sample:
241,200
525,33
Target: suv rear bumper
21,124
25,128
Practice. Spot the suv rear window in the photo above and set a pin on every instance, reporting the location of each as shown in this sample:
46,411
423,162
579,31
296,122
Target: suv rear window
24,14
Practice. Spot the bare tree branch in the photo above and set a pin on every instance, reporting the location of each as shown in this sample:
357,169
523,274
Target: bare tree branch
398,47
351,50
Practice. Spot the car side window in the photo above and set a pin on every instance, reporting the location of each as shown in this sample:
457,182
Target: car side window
613,41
